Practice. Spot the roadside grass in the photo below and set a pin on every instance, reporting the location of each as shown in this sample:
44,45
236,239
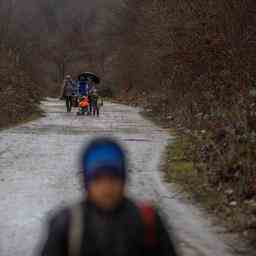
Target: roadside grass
180,169
192,180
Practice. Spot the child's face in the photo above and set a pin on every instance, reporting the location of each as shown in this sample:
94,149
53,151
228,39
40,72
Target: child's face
106,192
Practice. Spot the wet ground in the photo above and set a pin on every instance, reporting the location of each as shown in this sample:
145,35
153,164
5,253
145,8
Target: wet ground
39,172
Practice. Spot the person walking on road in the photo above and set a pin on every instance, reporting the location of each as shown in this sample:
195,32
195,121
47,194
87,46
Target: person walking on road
67,92
107,222
91,88
95,103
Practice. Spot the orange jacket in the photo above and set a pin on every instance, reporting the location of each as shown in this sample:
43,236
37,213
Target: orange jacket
84,103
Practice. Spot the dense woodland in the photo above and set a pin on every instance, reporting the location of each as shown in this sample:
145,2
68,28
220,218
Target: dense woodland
192,62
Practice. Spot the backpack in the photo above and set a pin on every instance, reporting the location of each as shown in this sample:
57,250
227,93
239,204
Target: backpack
147,213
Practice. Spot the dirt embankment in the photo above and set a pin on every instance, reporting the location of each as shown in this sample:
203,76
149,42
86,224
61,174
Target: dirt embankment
19,94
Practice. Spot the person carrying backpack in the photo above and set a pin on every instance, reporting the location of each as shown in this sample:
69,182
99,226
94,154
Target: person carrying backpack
90,92
67,92
107,222
94,103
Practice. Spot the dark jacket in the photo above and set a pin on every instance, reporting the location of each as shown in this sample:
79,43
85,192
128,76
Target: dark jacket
94,99
117,233
67,88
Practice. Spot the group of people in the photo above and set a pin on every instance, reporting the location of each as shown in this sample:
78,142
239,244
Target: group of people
82,94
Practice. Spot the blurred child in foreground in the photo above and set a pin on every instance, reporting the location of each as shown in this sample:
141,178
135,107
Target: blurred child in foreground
107,223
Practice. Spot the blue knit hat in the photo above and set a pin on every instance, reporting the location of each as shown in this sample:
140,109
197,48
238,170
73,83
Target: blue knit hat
103,156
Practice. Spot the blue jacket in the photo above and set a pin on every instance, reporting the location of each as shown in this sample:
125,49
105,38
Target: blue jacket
83,88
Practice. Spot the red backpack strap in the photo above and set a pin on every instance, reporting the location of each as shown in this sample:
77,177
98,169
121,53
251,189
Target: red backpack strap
148,215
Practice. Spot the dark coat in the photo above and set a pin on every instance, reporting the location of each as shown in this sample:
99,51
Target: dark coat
117,233
67,88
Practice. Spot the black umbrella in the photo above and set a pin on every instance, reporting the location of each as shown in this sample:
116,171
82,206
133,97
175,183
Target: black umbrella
86,75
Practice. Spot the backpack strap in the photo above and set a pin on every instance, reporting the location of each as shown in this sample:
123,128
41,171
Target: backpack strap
75,231
148,214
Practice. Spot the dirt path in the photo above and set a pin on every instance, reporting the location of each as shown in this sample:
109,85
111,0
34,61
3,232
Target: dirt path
38,171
